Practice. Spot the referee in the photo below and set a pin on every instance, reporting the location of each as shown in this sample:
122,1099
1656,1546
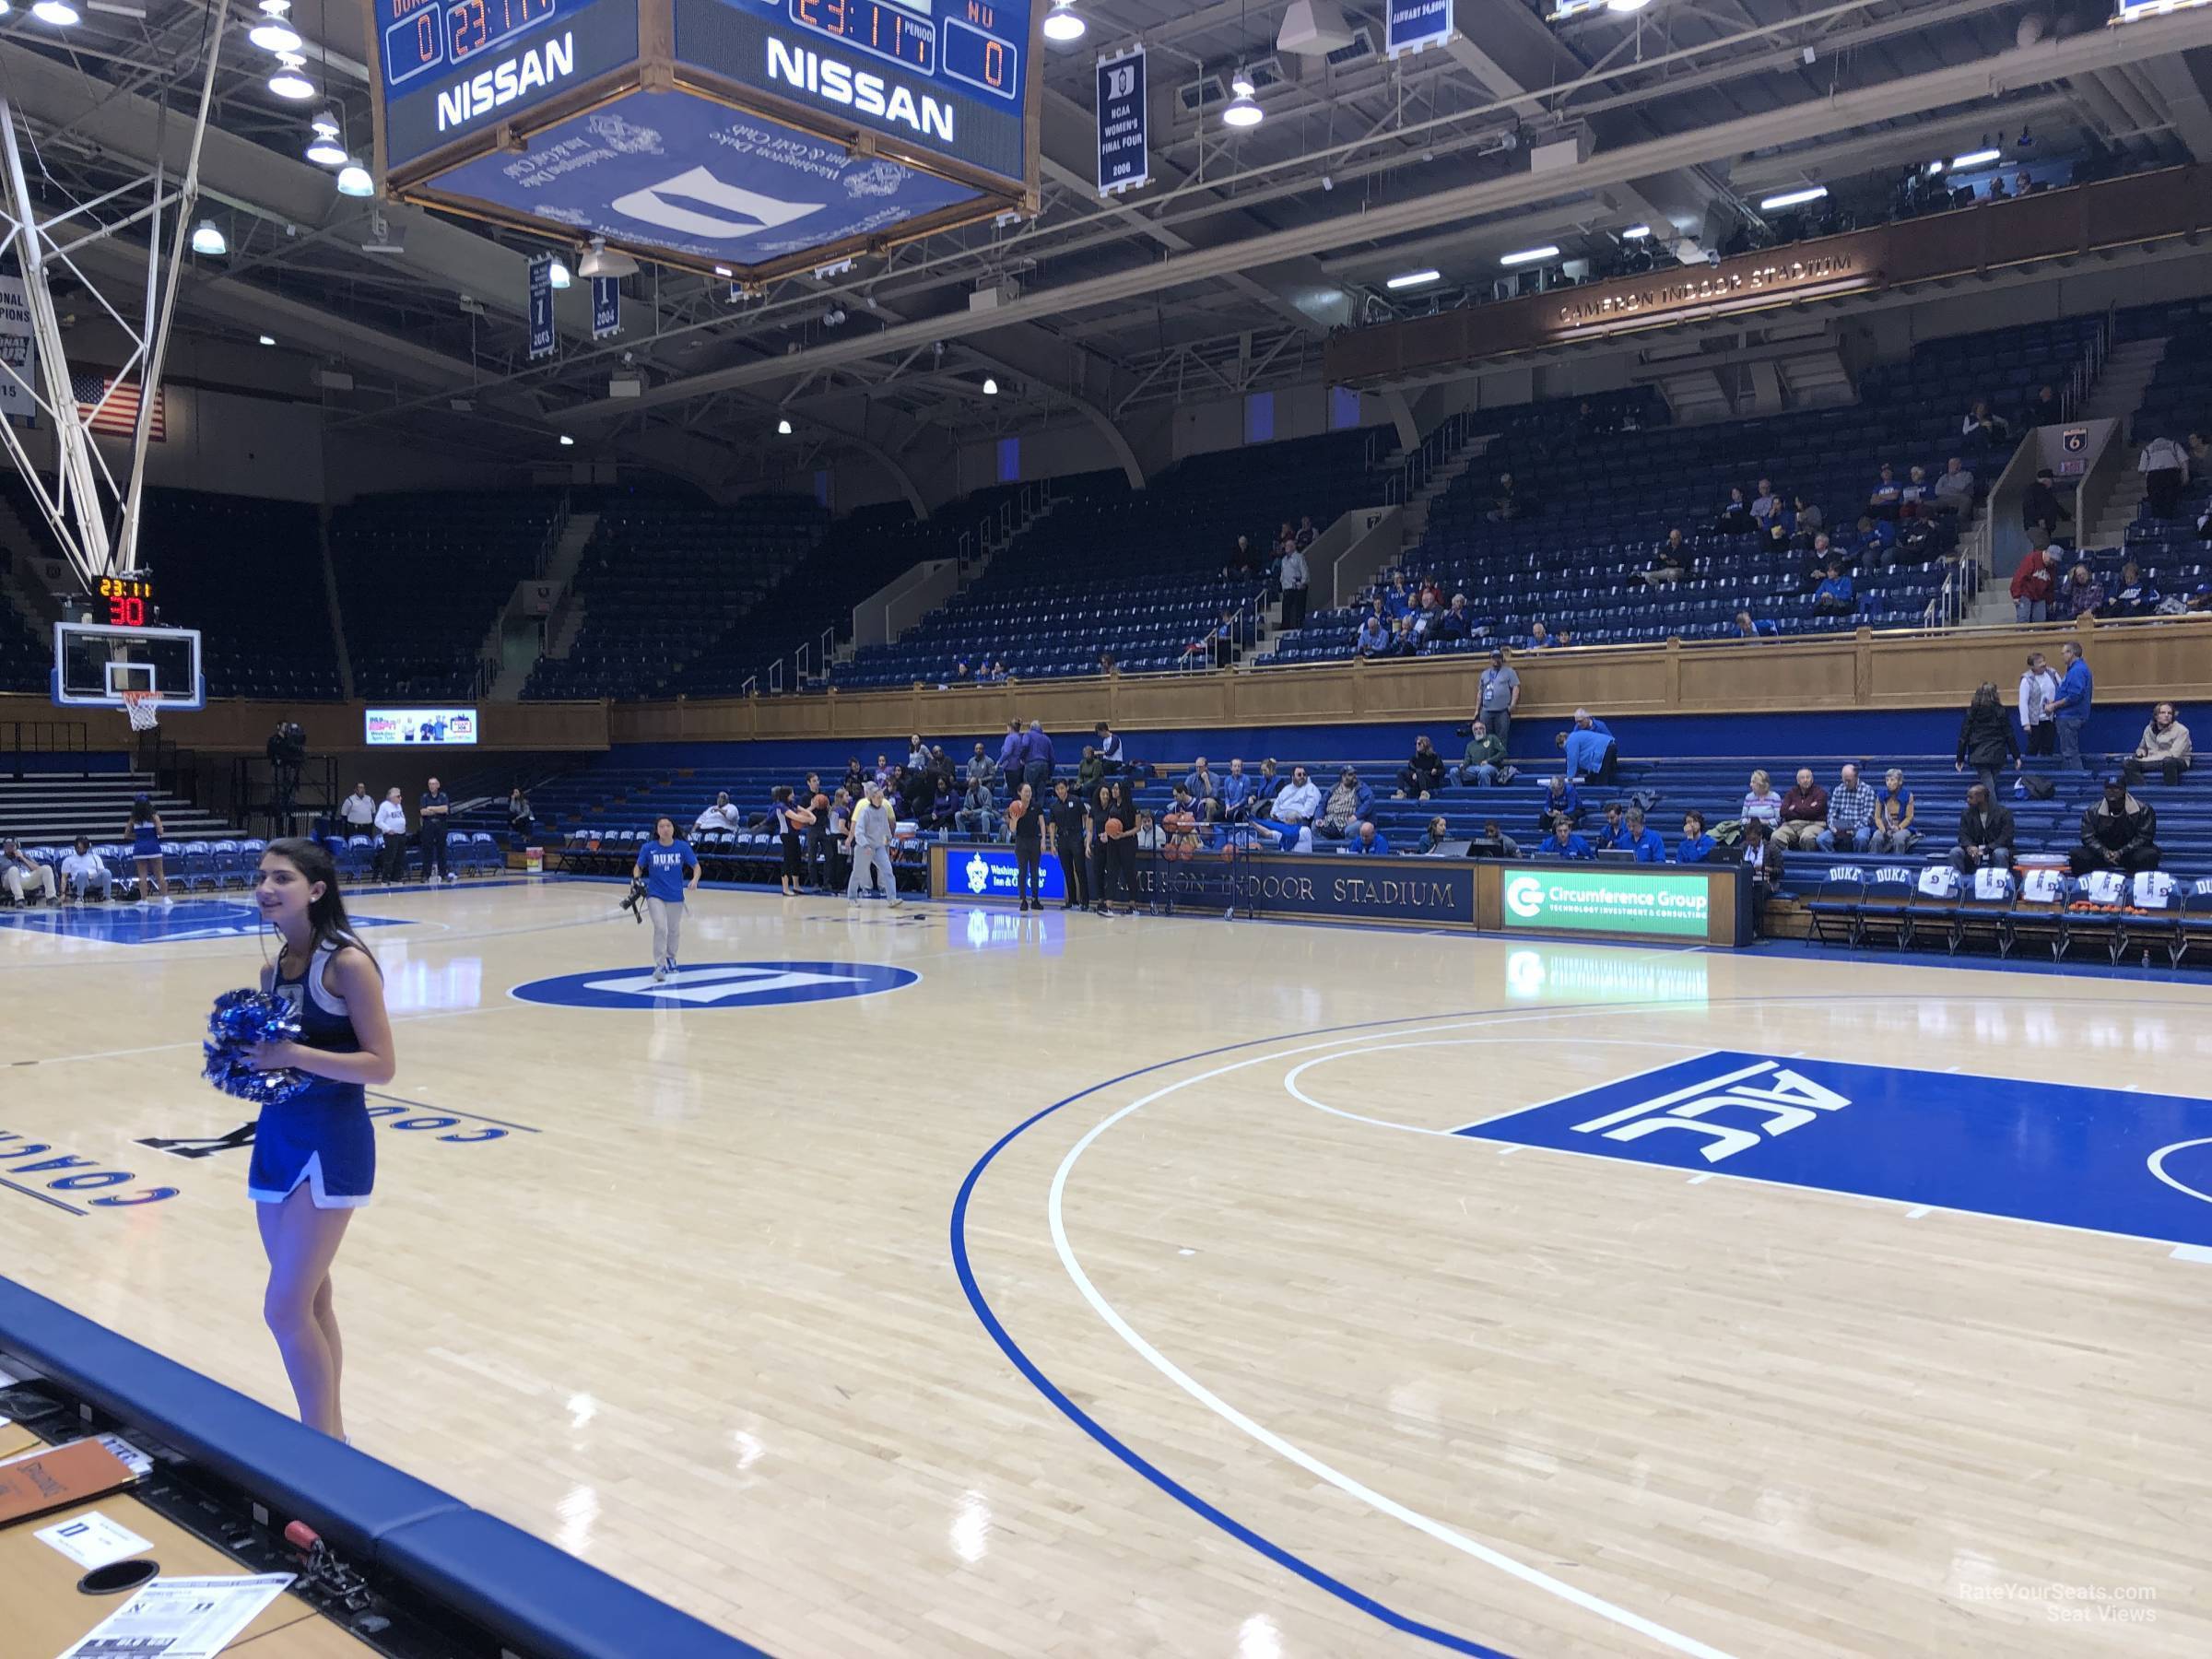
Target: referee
1063,825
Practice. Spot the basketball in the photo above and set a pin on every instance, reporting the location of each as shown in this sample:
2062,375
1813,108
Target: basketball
800,818
1180,823
1113,828
821,803
1014,811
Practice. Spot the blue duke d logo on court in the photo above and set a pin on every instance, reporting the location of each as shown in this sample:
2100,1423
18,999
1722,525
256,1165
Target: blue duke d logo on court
717,985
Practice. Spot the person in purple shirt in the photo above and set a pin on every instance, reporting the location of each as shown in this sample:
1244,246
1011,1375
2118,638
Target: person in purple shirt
1010,748
1037,759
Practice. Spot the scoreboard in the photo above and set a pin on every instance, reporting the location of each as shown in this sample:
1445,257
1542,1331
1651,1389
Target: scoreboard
759,135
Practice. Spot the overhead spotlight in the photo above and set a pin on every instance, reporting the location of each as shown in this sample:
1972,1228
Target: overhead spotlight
1980,157
1636,233
1793,198
784,428
268,339
1934,168
1626,6
560,276
273,9
567,441
723,271
598,262
1528,255
990,386
325,152
289,83
1243,85
1063,23
207,240
354,181
379,238
326,125
59,13
1243,110
276,35
1406,279
1327,182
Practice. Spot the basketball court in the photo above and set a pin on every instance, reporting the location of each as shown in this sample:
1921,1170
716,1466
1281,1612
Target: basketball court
951,1282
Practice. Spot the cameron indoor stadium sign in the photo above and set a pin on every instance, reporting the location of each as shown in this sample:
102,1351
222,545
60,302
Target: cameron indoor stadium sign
1660,906
1659,296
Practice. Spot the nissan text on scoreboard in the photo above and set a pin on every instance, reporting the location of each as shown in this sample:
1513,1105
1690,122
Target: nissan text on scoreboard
761,136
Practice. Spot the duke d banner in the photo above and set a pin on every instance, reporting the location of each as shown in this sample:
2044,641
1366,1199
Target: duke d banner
1666,904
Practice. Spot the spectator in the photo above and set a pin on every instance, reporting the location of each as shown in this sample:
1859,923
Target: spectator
855,779
1036,761
2039,728
1539,637
20,873
1372,638
1612,835
1089,772
1368,842
1454,622
1823,554
1887,495
1835,597
1010,749
1805,522
1766,505
1484,762
1672,561
1980,431
1985,739
916,794
2165,468
1918,496
1560,801
1242,560
85,872
1500,696
1893,831
1107,666
964,671
917,753
1696,846
435,810
1803,814
1266,786
1397,599
1851,814
1735,517
1645,843
2118,833
520,819
1348,802
1150,838
1424,774
1505,507
1402,641
2041,512
2164,744
1760,803
1563,843
722,814
1201,782
1589,748
1236,792
1763,859
1746,629
1294,579
1955,488
1437,834
392,824
2081,595
1306,532
1493,842
1874,542
1107,742
995,674
1299,801
2032,584
2044,409
358,812
981,768
978,814
1985,833
2136,594
2071,706
939,762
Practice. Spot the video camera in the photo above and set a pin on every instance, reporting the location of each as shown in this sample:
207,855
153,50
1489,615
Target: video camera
634,900
288,744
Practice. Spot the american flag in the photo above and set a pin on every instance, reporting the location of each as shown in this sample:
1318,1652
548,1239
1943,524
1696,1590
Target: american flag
118,417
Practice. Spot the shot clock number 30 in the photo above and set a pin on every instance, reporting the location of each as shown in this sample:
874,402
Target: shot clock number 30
125,601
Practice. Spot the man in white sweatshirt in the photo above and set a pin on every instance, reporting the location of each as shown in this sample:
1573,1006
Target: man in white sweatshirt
83,872
871,828
392,824
2039,726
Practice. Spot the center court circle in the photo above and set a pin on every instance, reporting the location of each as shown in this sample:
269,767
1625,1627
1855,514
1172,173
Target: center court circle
716,985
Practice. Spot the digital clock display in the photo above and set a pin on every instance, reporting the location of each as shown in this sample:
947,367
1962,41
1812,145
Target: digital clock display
473,26
981,59
125,601
872,26
416,44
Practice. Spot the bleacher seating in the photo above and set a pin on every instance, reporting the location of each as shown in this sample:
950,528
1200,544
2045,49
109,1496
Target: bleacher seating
248,574
421,578
663,581
1140,574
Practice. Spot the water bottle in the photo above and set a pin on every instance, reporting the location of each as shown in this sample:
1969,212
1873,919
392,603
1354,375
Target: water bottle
2020,789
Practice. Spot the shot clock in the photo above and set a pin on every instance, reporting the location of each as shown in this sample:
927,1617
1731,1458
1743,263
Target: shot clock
125,601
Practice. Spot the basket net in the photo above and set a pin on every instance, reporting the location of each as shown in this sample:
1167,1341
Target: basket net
143,710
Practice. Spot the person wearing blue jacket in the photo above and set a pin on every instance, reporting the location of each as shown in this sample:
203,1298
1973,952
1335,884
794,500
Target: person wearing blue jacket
1370,841
1589,748
1559,800
2071,707
1645,844
1563,843
1696,846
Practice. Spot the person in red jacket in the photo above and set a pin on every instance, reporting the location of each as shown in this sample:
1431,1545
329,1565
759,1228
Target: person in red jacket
1803,814
2033,584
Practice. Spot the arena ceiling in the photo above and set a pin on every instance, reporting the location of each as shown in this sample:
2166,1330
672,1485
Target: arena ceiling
1225,275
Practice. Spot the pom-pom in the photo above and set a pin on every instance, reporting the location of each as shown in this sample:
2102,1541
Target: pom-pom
240,1020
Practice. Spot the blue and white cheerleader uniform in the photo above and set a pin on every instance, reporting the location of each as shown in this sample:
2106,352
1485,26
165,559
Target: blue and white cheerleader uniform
322,1135
145,840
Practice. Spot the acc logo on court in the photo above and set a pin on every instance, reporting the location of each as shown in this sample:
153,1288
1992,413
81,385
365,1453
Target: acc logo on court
1524,897
717,985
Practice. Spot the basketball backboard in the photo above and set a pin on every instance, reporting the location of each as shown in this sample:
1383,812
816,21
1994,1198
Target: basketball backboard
95,663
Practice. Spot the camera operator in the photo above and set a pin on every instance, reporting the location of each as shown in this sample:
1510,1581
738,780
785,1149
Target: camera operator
287,750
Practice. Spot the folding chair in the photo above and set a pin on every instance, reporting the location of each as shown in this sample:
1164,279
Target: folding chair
1935,900
2040,911
1888,897
2098,908
1834,906
2153,916
2194,922
1986,906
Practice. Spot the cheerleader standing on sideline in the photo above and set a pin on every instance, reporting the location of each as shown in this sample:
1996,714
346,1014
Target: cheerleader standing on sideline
145,830
314,1154
662,863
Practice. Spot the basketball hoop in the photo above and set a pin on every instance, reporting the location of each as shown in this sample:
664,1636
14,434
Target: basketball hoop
144,708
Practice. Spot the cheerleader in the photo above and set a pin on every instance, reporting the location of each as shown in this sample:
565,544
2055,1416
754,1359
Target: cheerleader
145,832
314,1154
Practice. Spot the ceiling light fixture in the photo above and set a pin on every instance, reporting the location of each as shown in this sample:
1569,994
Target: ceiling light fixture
59,13
326,125
1243,110
1635,233
327,152
560,276
784,428
276,35
1529,256
1062,24
207,240
354,181
1626,6
1980,157
289,83
1793,198
723,271
268,339
567,441
1406,279
990,386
